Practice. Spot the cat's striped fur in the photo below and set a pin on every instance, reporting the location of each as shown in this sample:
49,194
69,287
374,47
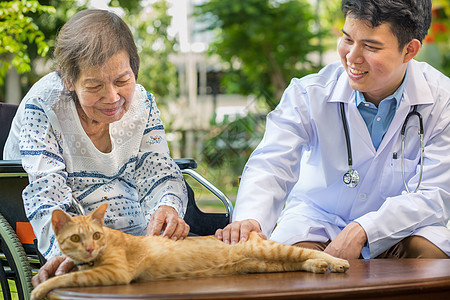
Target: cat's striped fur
114,257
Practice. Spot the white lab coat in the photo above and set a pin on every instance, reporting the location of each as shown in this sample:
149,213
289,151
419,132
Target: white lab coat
294,178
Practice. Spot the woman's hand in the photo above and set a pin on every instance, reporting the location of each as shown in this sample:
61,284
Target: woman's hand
55,266
239,231
166,219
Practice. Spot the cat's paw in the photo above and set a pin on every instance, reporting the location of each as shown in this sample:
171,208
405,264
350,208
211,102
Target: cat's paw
339,265
316,265
39,293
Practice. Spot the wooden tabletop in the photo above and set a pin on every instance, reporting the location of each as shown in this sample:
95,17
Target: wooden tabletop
379,278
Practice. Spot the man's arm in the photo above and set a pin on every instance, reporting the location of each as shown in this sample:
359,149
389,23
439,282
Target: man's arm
273,168
348,243
239,231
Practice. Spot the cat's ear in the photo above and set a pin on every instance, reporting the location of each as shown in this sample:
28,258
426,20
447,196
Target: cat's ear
59,220
99,213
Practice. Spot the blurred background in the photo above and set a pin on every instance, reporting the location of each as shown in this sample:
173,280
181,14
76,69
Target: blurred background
216,67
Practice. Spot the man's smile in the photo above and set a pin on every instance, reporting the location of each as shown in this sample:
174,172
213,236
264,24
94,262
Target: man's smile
357,72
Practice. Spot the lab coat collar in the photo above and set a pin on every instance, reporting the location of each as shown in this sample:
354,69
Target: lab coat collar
416,92
343,91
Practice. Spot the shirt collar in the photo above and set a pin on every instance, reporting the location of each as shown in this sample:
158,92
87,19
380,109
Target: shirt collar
397,95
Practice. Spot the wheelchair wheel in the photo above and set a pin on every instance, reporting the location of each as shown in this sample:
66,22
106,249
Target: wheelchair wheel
16,266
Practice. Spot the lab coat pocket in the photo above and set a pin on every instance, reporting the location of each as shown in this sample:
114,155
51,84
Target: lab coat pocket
392,176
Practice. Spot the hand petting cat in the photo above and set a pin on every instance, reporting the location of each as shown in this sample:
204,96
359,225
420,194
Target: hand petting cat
165,221
239,231
55,266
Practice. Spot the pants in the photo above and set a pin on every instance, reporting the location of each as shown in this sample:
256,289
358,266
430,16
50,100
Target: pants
410,247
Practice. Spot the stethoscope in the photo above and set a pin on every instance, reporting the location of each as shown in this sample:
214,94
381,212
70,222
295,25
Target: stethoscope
351,177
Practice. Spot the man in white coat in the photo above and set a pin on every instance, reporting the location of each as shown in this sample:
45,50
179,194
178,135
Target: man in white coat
331,172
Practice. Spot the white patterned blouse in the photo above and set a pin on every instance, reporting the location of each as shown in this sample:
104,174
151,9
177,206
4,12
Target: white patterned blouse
64,166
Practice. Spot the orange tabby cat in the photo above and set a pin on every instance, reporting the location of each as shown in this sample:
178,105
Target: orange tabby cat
106,256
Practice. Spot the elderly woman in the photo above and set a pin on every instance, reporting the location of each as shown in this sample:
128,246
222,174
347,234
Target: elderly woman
88,134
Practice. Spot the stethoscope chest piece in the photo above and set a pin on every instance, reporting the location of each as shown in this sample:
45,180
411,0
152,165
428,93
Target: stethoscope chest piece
351,178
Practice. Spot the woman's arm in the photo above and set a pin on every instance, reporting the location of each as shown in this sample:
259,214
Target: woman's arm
159,181
42,159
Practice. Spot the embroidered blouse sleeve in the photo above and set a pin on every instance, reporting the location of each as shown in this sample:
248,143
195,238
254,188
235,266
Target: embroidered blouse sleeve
159,180
42,159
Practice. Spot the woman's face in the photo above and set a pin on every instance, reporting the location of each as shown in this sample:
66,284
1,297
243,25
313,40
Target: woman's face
105,92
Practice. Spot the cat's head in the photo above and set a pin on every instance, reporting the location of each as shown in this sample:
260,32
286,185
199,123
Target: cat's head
82,237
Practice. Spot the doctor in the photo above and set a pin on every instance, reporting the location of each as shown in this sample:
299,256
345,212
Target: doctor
331,173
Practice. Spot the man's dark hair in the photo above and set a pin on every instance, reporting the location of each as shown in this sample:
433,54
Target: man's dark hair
408,19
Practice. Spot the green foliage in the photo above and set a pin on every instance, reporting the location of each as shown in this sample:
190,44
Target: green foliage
265,43
157,74
128,5
17,31
231,143
49,26
436,48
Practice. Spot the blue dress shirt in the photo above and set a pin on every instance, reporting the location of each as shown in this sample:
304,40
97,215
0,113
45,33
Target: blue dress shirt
379,118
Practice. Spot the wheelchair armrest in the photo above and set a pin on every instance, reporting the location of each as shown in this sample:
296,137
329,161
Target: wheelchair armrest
11,168
15,166
186,163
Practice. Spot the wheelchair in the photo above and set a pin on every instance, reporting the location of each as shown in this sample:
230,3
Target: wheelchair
19,257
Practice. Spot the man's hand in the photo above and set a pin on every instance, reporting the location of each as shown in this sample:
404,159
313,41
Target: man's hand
239,231
166,218
55,266
348,243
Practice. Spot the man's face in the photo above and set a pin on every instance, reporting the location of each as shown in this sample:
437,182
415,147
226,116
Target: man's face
371,56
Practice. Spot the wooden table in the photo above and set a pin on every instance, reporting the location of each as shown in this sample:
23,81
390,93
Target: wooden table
381,279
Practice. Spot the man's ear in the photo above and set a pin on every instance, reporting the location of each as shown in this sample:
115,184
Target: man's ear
411,50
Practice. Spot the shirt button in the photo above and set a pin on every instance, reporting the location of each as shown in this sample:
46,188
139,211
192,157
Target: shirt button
362,196
378,119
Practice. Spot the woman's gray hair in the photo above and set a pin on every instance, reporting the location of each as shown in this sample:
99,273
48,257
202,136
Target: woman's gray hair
90,38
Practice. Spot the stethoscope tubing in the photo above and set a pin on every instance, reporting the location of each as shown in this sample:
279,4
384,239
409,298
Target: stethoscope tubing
403,133
347,136
414,112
